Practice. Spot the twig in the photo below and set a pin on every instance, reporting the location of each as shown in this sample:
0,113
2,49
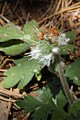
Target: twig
62,7
5,4
70,2
46,12
77,24
12,94
2,23
28,16
25,118
17,3
9,106
2,70
78,3
7,100
19,17
4,18
61,11
73,10
58,6
6,60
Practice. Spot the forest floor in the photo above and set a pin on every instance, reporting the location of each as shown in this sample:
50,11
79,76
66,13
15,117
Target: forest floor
64,14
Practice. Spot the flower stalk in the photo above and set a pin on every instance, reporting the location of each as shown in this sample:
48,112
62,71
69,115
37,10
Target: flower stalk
64,81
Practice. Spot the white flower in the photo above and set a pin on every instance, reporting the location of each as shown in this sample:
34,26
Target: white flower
35,52
62,40
46,59
55,50
42,54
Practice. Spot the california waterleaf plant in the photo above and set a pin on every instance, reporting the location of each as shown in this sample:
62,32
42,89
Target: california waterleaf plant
45,49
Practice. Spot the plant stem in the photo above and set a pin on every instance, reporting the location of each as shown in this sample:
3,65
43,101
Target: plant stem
64,81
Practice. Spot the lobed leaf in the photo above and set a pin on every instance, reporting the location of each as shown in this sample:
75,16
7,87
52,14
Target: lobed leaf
21,74
10,32
55,86
58,115
66,49
61,100
42,112
40,106
29,103
73,71
72,35
15,49
74,110
30,28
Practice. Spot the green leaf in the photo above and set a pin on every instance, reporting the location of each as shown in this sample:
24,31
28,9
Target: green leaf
72,35
30,27
15,49
58,115
74,110
66,49
40,106
55,86
21,74
73,71
9,32
46,96
29,103
42,112
61,100
69,117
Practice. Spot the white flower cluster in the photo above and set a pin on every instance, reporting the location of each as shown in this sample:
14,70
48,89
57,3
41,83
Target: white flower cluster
38,54
62,40
35,52
45,53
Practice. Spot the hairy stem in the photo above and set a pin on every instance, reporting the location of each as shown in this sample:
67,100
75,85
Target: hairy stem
64,81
